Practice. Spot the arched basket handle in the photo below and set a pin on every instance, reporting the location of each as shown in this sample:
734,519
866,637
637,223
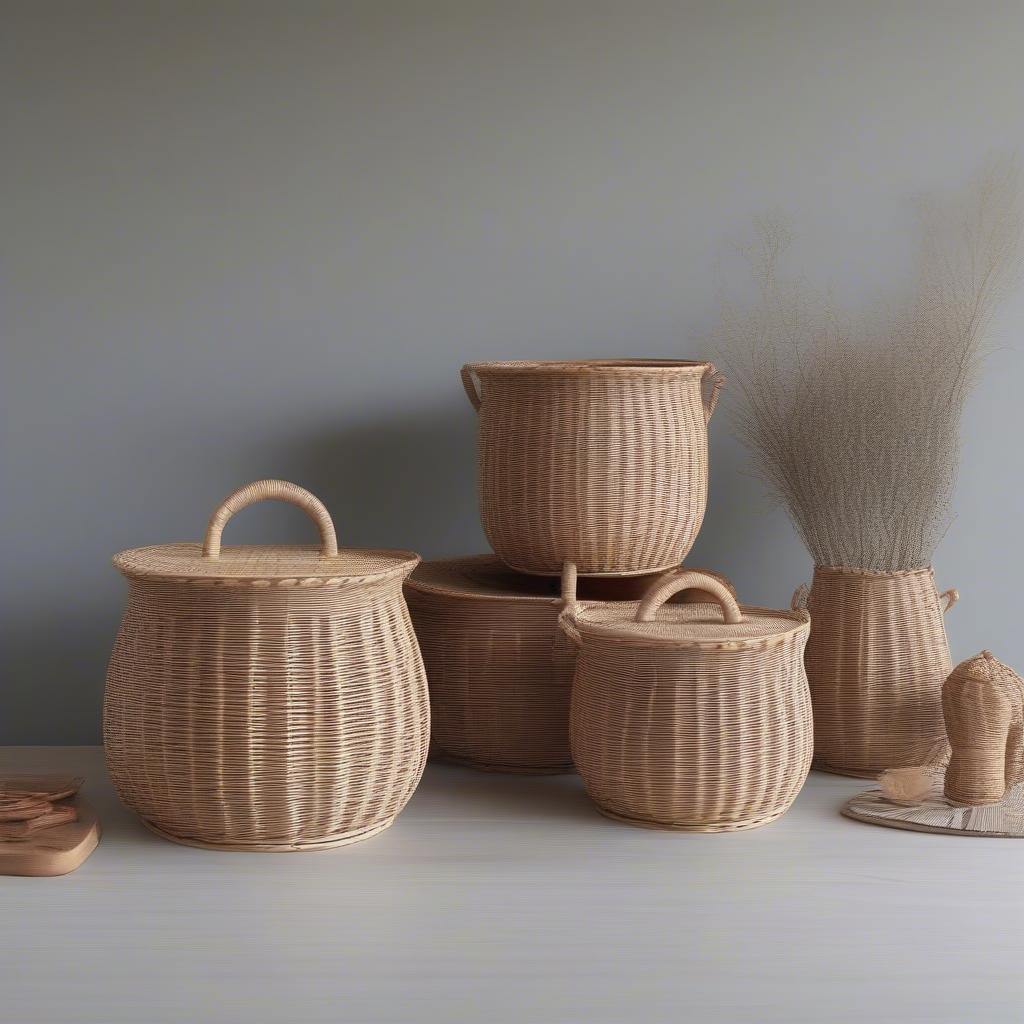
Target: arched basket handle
717,382
950,597
267,490
664,589
470,383
800,595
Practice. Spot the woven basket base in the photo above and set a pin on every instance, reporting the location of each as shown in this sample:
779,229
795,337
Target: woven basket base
662,826
503,769
596,575
344,839
1004,820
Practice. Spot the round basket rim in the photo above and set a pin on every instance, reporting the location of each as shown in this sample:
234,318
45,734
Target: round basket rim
608,367
850,570
452,591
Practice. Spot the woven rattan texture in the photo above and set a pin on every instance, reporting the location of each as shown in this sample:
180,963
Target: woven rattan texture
936,813
876,661
692,737
500,671
266,719
276,713
697,624
262,565
983,704
601,464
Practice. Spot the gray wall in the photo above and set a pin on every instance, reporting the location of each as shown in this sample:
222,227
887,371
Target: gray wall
259,239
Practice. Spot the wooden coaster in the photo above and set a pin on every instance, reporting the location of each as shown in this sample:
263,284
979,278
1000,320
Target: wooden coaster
40,786
55,814
53,851
22,808
935,813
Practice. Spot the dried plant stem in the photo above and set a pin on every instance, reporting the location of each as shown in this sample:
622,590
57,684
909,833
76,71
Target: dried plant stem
853,420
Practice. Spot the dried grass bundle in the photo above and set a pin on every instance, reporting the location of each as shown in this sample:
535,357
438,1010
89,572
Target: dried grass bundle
853,420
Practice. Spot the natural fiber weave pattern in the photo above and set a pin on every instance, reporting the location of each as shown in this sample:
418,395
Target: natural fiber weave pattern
267,713
601,463
683,723
936,813
983,704
499,669
876,661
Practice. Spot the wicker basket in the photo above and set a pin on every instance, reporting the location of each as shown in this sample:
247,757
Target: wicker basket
983,704
266,698
499,669
603,463
693,718
876,662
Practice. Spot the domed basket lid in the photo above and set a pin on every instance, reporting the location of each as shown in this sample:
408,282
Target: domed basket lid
266,564
485,577
722,624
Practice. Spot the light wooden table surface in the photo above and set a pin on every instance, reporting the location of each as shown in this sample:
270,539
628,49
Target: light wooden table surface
502,899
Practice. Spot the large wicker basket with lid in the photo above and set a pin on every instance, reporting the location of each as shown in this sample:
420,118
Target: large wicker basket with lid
603,463
266,698
499,669
691,717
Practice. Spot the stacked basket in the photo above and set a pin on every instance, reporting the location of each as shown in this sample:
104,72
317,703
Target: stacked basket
593,486
274,697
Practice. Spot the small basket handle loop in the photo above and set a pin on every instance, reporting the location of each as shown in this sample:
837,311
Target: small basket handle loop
266,490
664,589
950,597
800,595
569,577
470,383
566,617
717,381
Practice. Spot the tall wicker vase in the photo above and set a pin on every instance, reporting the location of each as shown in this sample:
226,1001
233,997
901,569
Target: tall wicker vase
603,463
876,662
266,697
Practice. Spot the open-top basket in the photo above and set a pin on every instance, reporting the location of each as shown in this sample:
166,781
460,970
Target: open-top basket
603,463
